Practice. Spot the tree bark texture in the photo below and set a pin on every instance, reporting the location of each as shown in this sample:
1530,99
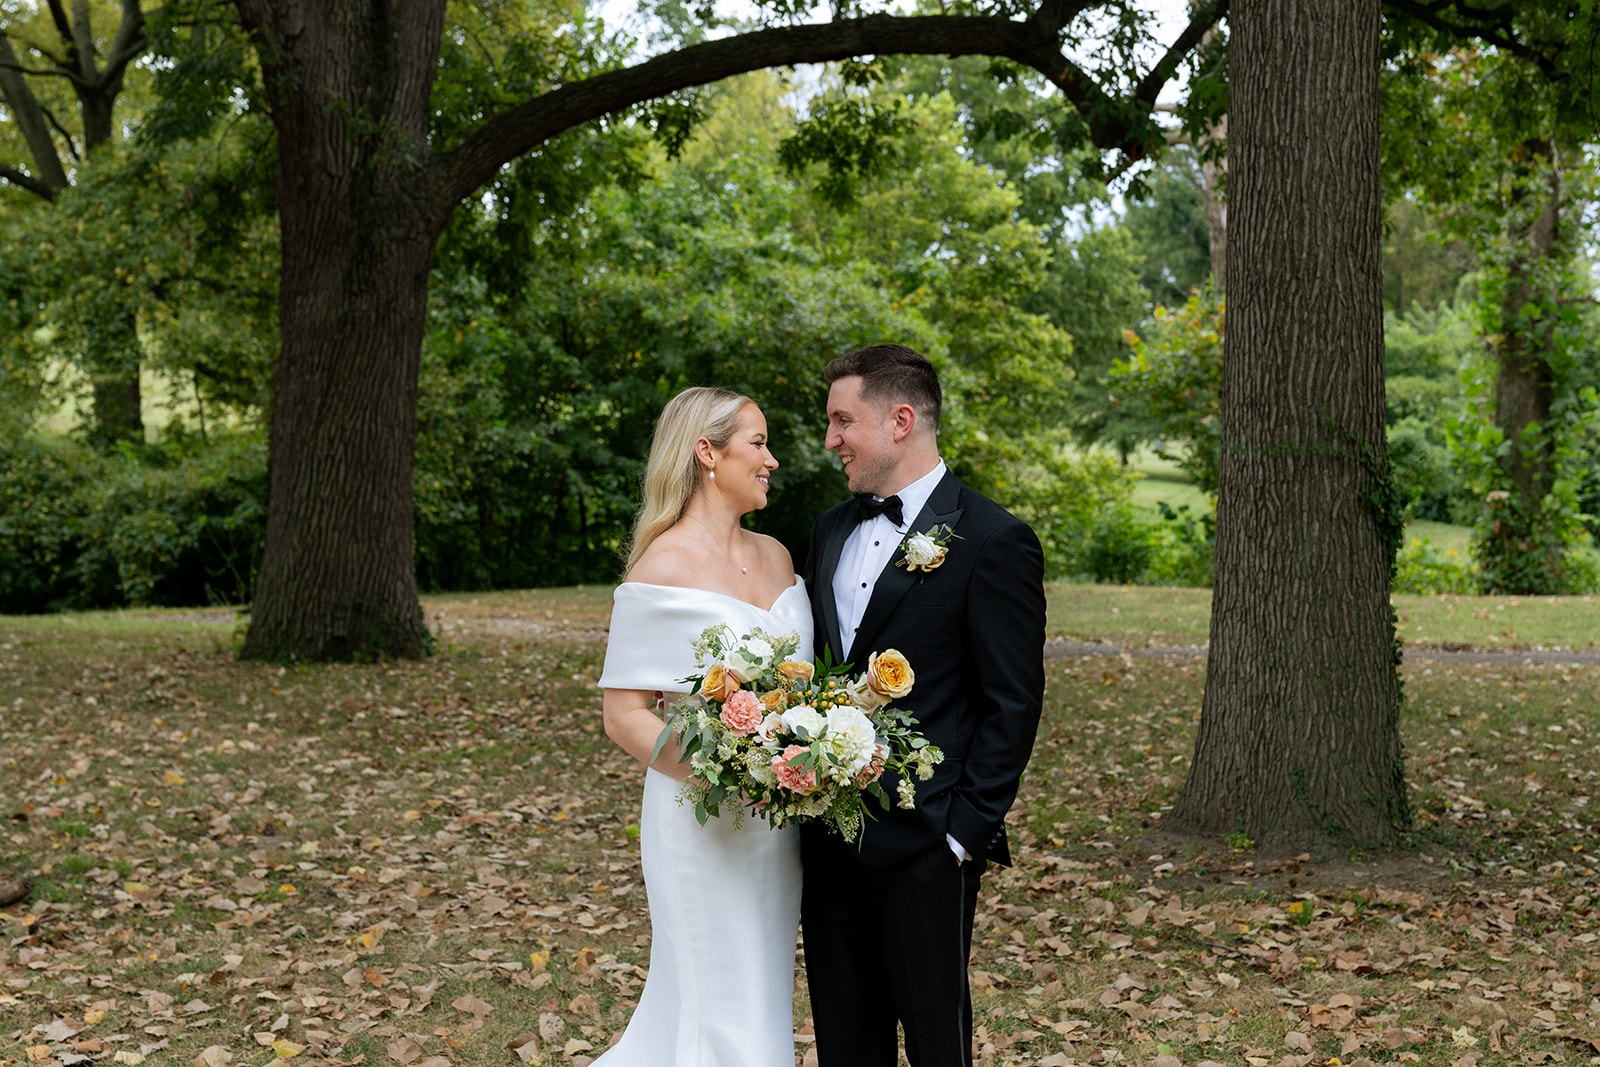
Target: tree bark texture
349,82
1299,741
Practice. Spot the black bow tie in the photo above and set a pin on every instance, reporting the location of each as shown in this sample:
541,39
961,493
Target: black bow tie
888,507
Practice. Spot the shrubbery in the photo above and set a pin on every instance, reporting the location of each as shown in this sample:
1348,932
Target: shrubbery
1423,567
181,524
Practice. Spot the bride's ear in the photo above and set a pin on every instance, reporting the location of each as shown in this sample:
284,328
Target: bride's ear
705,455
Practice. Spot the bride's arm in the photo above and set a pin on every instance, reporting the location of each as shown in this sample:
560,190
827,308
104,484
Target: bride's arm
632,724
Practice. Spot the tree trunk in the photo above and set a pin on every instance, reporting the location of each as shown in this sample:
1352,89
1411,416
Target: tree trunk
351,93
1299,739
1524,549
111,354
1214,173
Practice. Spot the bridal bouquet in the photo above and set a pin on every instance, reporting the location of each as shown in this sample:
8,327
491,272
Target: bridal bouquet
793,739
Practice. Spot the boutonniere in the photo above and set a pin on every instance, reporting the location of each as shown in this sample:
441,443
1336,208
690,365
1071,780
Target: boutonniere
926,551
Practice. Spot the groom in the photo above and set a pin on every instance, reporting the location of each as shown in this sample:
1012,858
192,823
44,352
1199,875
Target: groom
888,921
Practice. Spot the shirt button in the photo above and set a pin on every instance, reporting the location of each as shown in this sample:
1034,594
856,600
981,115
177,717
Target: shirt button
875,544
863,585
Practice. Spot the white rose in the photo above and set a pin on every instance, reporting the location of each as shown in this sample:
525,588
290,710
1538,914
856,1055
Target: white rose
768,730
805,718
745,663
850,739
921,550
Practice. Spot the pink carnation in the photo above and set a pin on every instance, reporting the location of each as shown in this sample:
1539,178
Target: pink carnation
742,713
794,779
872,771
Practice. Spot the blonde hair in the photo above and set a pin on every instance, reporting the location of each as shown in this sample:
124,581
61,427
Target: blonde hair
673,475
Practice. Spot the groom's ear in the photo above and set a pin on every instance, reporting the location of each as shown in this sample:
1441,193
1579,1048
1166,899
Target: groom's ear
902,422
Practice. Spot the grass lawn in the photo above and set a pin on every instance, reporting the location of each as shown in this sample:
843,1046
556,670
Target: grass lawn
1163,482
424,862
1148,615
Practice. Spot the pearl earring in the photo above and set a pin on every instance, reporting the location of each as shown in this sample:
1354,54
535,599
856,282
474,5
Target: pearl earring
711,474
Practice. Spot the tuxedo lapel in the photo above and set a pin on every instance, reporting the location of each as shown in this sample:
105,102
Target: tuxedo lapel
894,582
832,548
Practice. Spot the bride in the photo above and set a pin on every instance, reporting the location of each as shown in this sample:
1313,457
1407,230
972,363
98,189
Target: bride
724,899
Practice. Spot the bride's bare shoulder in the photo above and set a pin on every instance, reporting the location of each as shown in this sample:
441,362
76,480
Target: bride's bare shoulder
775,559
670,560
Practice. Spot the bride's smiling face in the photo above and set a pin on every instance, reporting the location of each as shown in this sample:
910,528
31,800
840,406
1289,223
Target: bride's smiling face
744,464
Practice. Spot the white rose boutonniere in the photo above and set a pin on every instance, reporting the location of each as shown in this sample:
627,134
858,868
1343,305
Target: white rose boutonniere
926,551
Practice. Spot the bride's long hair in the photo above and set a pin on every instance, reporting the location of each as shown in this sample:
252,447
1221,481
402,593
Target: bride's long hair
673,475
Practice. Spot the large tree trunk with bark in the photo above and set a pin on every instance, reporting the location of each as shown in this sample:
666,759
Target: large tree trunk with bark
1299,739
359,226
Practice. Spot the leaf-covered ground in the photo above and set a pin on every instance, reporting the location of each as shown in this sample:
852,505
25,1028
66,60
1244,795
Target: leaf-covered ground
436,863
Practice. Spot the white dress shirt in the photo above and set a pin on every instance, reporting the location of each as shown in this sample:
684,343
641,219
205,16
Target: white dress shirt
867,551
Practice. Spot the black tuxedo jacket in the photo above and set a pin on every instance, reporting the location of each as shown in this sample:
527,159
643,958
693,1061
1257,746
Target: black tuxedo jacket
973,630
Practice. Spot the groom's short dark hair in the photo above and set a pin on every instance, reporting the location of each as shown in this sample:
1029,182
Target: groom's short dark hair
896,373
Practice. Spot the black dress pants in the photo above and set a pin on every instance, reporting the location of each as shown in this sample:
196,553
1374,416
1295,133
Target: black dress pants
888,946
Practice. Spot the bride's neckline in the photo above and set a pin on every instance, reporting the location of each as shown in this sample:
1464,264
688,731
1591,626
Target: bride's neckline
798,584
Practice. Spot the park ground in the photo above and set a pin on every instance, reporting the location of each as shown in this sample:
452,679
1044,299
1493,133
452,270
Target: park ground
436,862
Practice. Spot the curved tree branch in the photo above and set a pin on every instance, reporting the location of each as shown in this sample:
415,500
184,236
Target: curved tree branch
1490,25
1206,16
1114,125
128,45
27,181
32,120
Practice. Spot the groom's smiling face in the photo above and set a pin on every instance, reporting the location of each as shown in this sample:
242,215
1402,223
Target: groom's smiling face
861,432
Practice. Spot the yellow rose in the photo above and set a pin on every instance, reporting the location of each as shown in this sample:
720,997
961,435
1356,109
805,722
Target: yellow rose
889,673
794,670
719,684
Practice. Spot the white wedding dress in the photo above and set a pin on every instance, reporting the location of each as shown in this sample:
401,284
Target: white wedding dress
724,902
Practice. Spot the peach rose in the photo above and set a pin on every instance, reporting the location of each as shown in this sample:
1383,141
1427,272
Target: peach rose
794,670
719,684
775,700
794,779
889,673
742,713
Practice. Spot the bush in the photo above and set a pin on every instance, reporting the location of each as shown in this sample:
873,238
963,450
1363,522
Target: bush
1423,567
1078,503
1186,549
1423,472
175,524
1119,547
